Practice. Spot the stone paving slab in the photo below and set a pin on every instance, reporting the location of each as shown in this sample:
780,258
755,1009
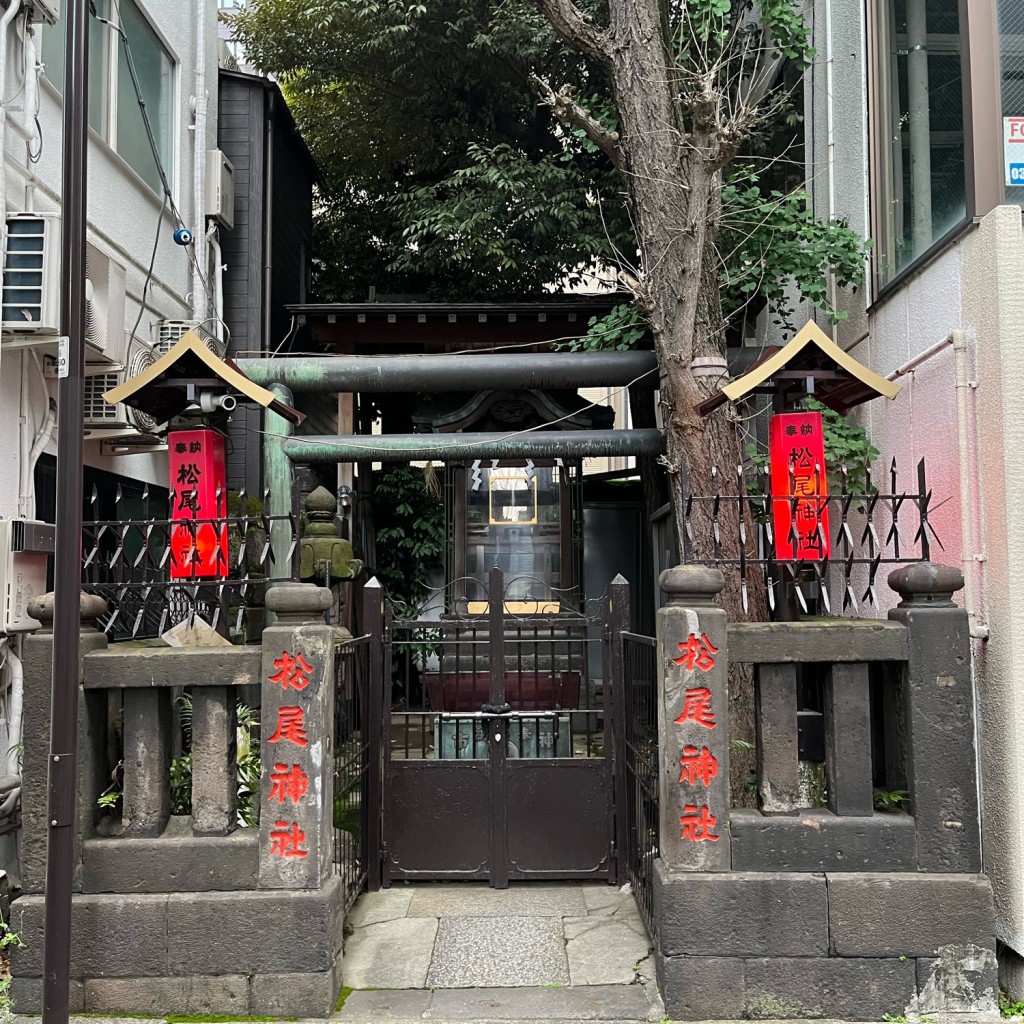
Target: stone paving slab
603,950
474,952
531,899
391,954
386,1004
383,905
598,1002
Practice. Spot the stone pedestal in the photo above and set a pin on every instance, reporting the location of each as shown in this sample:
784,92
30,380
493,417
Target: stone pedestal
693,722
38,667
296,740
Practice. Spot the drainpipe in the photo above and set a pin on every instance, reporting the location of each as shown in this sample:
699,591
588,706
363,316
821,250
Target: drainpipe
968,494
268,220
33,69
199,296
213,239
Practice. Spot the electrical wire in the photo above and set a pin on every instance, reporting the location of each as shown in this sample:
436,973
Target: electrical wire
149,272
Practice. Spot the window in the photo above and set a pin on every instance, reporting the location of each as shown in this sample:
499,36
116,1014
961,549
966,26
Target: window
114,112
919,120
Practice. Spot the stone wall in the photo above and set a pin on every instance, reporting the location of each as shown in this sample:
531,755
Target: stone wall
193,915
786,912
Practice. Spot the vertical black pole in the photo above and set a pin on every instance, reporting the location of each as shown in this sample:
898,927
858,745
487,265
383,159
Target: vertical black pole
68,561
498,729
377,742
615,690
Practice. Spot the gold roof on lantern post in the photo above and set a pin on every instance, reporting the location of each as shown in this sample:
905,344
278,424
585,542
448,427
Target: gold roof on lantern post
840,382
163,389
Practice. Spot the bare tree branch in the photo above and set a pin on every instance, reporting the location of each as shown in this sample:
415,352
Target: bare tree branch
576,28
572,115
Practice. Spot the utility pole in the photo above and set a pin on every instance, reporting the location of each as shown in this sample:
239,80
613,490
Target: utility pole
68,561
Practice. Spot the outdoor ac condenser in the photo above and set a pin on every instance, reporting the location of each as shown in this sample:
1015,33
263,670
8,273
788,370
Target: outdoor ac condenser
45,10
24,546
31,278
111,421
104,306
167,333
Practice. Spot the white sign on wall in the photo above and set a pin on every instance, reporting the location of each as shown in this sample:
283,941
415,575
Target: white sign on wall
1013,150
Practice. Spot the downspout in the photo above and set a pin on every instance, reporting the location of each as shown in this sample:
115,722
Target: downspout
199,296
268,220
268,270
5,23
969,558
213,238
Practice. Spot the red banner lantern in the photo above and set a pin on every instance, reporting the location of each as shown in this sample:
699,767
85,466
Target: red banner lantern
796,446
198,483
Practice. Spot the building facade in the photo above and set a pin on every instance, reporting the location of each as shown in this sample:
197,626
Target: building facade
905,140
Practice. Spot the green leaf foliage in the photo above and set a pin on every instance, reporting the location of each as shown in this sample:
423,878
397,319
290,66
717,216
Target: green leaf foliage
446,177
410,535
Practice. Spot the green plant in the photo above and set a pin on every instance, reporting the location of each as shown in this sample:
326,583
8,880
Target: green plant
181,784
890,800
1010,1008
410,522
890,1018
8,939
621,328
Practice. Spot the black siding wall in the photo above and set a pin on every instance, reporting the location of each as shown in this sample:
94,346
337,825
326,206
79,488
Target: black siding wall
244,105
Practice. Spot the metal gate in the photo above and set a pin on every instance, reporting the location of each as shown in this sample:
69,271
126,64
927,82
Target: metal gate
497,737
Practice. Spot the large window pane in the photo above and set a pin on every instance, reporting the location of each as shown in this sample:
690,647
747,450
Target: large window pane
99,65
155,70
920,129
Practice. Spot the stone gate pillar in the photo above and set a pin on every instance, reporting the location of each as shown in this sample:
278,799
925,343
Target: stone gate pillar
693,721
297,740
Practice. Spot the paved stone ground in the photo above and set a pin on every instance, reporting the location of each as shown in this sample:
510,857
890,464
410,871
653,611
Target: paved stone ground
462,952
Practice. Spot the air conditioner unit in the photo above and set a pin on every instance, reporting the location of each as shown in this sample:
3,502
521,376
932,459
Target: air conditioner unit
104,305
220,189
111,420
31,278
45,10
167,333
24,546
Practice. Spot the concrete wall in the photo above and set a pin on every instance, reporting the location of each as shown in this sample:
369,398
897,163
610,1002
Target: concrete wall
123,212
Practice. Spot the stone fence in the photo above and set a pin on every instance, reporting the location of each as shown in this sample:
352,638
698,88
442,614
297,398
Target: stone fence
194,914
793,911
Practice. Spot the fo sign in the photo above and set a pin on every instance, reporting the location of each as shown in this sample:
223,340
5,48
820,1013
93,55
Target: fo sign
1013,150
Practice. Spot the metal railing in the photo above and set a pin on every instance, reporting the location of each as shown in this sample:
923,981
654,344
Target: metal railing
860,530
351,802
640,691
155,572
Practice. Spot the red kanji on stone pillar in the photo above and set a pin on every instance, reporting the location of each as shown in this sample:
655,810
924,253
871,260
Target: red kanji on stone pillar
198,485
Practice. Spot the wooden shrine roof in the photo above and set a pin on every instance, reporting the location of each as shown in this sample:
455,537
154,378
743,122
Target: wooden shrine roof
161,389
840,381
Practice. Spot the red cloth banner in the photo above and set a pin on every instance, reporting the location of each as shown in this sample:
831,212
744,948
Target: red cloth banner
796,447
197,476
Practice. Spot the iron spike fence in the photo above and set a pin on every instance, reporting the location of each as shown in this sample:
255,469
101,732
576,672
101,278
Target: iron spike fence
640,685
351,803
155,572
867,529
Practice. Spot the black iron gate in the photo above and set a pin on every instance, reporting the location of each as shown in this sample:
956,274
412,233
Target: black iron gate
497,737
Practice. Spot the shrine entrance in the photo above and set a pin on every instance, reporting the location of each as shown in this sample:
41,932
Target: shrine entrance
497,736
